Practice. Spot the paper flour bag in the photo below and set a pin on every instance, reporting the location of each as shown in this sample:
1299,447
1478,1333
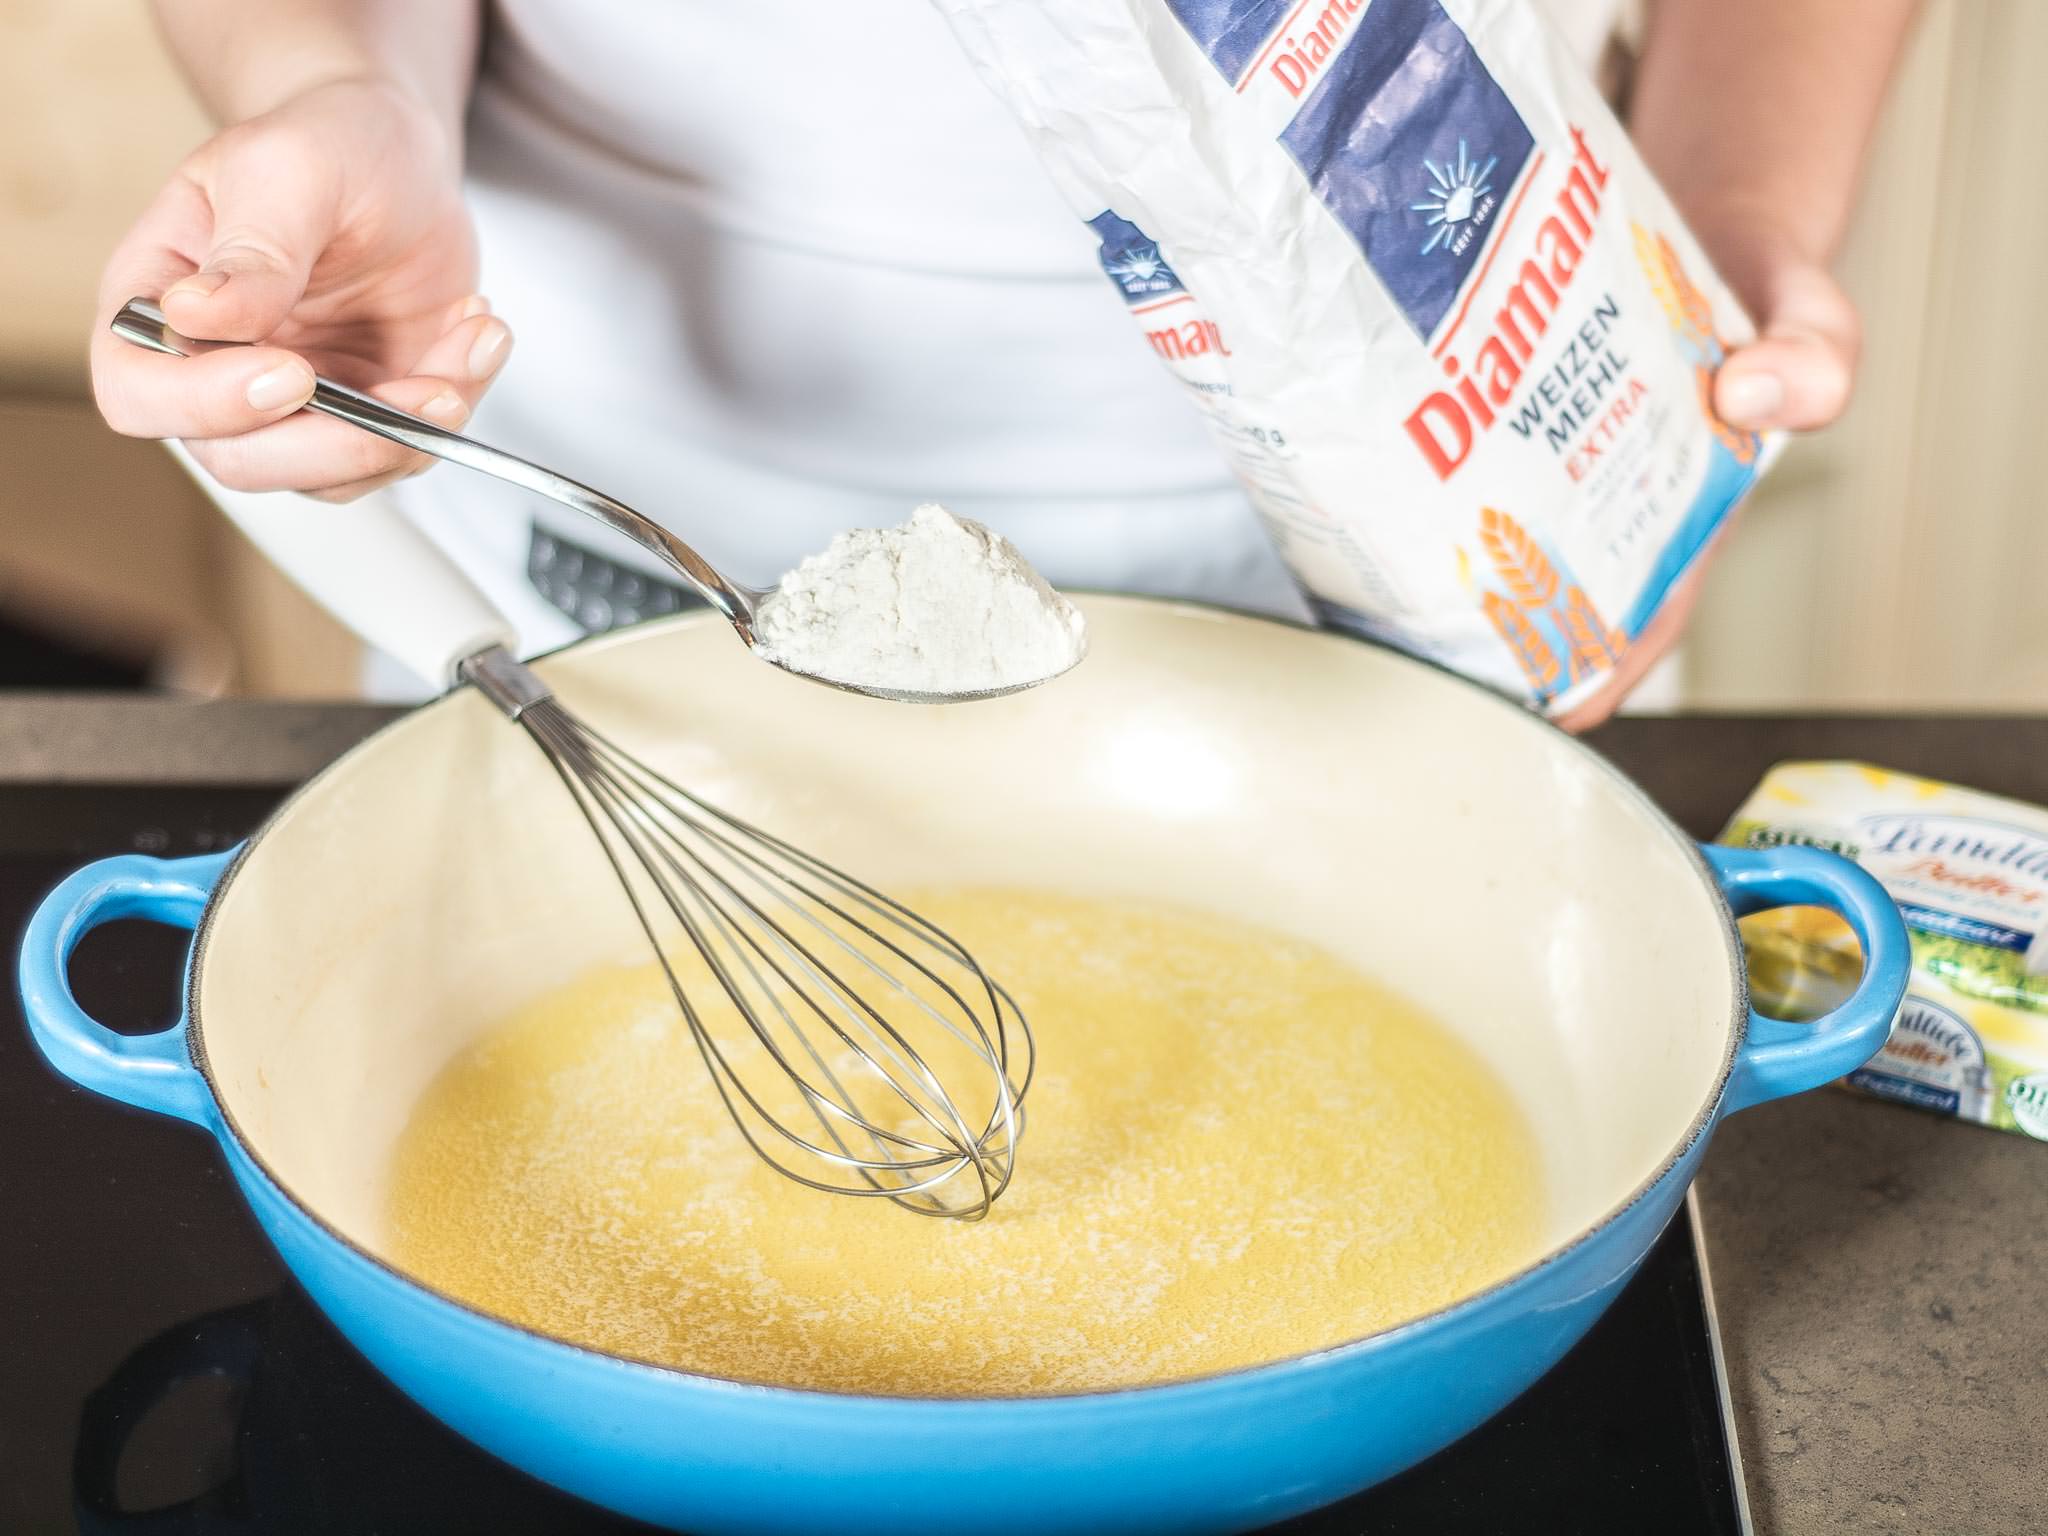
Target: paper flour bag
1400,252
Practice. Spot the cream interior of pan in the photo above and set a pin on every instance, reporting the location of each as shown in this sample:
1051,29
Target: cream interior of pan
438,877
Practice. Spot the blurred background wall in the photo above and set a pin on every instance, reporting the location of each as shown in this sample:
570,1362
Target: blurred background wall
105,544
1900,557
1896,559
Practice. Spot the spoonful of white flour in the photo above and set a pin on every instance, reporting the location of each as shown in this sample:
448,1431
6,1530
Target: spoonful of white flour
939,607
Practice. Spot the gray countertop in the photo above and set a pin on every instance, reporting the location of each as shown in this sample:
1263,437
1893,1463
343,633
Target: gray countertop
1879,1273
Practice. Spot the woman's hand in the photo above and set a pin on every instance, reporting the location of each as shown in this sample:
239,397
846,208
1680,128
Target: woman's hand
1756,115
1795,376
330,229
1798,373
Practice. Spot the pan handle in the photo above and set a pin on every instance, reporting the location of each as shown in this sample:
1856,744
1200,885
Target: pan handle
152,1072
1778,1058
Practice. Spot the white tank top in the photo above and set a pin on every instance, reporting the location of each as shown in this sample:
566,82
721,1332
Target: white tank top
778,270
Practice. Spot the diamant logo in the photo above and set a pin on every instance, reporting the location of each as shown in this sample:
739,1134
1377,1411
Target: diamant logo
1461,193
1140,270
1132,259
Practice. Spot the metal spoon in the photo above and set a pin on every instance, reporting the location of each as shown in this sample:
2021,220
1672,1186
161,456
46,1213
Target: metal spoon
143,323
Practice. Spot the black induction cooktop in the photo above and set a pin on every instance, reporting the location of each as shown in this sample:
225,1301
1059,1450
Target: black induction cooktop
160,1373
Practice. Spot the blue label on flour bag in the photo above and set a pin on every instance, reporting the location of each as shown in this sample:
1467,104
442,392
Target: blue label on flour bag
1132,259
1410,143
1231,32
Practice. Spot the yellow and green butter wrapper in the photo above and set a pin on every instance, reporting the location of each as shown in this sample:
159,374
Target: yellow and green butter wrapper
1970,874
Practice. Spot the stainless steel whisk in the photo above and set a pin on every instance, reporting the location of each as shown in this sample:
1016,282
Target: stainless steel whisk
843,997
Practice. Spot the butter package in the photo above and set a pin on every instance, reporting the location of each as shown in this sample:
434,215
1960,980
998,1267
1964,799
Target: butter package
1970,874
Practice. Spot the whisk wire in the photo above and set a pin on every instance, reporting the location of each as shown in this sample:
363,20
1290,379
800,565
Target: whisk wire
762,915
993,1051
725,1079
791,949
636,832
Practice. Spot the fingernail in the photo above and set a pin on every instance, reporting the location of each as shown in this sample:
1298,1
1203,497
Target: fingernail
448,408
487,352
1752,399
476,304
200,285
287,384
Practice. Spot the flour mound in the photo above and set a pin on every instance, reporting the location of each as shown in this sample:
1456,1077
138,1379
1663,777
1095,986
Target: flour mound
938,605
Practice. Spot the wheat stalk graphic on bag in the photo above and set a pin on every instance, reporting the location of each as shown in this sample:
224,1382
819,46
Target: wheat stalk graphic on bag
1531,587
1524,569
1594,647
1525,643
